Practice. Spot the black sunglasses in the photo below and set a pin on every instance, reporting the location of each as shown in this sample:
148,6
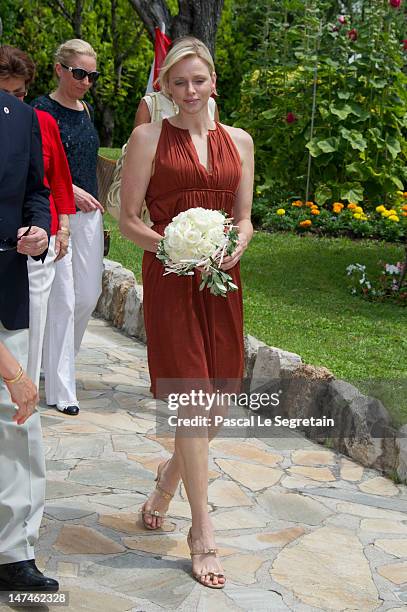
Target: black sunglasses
9,244
79,73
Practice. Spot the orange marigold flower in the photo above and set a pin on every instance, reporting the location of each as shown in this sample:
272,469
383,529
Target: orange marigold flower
297,203
309,204
315,211
351,206
306,223
404,207
337,207
404,214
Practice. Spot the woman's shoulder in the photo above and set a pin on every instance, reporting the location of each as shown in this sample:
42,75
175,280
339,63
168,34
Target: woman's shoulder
239,136
144,139
43,102
147,131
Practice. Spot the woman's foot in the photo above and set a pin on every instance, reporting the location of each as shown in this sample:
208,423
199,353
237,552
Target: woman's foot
154,509
206,567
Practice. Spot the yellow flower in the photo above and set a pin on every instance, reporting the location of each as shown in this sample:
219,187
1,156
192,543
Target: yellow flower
380,208
392,211
351,206
306,223
400,193
255,76
358,209
357,216
386,213
315,211
280,211
393,218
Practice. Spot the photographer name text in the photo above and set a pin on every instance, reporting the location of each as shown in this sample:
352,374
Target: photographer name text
254,420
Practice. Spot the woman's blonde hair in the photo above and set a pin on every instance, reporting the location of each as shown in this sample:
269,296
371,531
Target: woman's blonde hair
76,46
187,46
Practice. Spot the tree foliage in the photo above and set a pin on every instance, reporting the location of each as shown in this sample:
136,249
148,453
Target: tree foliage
112,28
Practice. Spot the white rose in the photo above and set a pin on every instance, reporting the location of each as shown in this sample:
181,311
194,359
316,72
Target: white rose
216,235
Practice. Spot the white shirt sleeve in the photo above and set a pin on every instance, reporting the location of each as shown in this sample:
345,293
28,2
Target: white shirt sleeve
148,100
211,108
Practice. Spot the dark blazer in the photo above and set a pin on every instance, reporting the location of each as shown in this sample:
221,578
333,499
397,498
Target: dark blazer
23,201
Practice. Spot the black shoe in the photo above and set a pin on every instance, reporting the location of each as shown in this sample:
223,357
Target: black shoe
72,410
25,576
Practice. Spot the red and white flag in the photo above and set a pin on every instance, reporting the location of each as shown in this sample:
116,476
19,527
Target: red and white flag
161,44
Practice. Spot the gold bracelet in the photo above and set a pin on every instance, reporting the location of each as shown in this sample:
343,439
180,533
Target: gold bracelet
16,378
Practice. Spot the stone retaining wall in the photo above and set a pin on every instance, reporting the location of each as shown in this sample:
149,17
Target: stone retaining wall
363,429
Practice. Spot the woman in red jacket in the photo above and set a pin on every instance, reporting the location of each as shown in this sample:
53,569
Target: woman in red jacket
16,74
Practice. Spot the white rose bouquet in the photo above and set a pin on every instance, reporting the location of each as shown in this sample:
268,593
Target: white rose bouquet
200,237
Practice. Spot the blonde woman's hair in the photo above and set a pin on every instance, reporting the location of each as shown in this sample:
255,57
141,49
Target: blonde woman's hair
187,46
76,46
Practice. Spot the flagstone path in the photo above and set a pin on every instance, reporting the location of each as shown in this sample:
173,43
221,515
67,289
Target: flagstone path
299,527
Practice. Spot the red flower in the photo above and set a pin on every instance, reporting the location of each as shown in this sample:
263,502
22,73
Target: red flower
290,117
353,34
404,44
342,19
395,3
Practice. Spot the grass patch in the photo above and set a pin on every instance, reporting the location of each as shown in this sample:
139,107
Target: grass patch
110,153
296,297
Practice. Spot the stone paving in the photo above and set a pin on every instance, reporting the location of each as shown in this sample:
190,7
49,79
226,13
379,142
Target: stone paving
299,527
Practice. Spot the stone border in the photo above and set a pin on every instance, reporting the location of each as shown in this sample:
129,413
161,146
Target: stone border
121,303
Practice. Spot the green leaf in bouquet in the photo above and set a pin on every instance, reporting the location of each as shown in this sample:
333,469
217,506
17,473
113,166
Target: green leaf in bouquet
232,287
221,287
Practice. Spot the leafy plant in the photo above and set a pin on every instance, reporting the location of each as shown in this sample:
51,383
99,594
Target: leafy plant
329,95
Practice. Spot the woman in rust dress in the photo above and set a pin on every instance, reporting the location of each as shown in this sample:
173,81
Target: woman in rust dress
180,163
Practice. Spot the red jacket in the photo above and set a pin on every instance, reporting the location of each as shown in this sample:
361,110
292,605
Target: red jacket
57,176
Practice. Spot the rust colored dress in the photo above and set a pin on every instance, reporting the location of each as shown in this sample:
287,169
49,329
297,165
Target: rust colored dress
191,334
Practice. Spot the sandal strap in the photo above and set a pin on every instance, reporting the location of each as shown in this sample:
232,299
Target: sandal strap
207,551
163,492
153,513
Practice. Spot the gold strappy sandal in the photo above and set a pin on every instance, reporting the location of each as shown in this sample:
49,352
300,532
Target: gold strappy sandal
207,551
163,493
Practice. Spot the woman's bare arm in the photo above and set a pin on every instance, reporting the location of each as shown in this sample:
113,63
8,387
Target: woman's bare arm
136,176
243,203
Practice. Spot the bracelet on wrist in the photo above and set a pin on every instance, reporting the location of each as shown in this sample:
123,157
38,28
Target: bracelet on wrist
18,376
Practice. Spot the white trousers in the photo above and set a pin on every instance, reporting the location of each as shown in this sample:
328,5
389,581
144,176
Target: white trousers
40,276
22,473
75,291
